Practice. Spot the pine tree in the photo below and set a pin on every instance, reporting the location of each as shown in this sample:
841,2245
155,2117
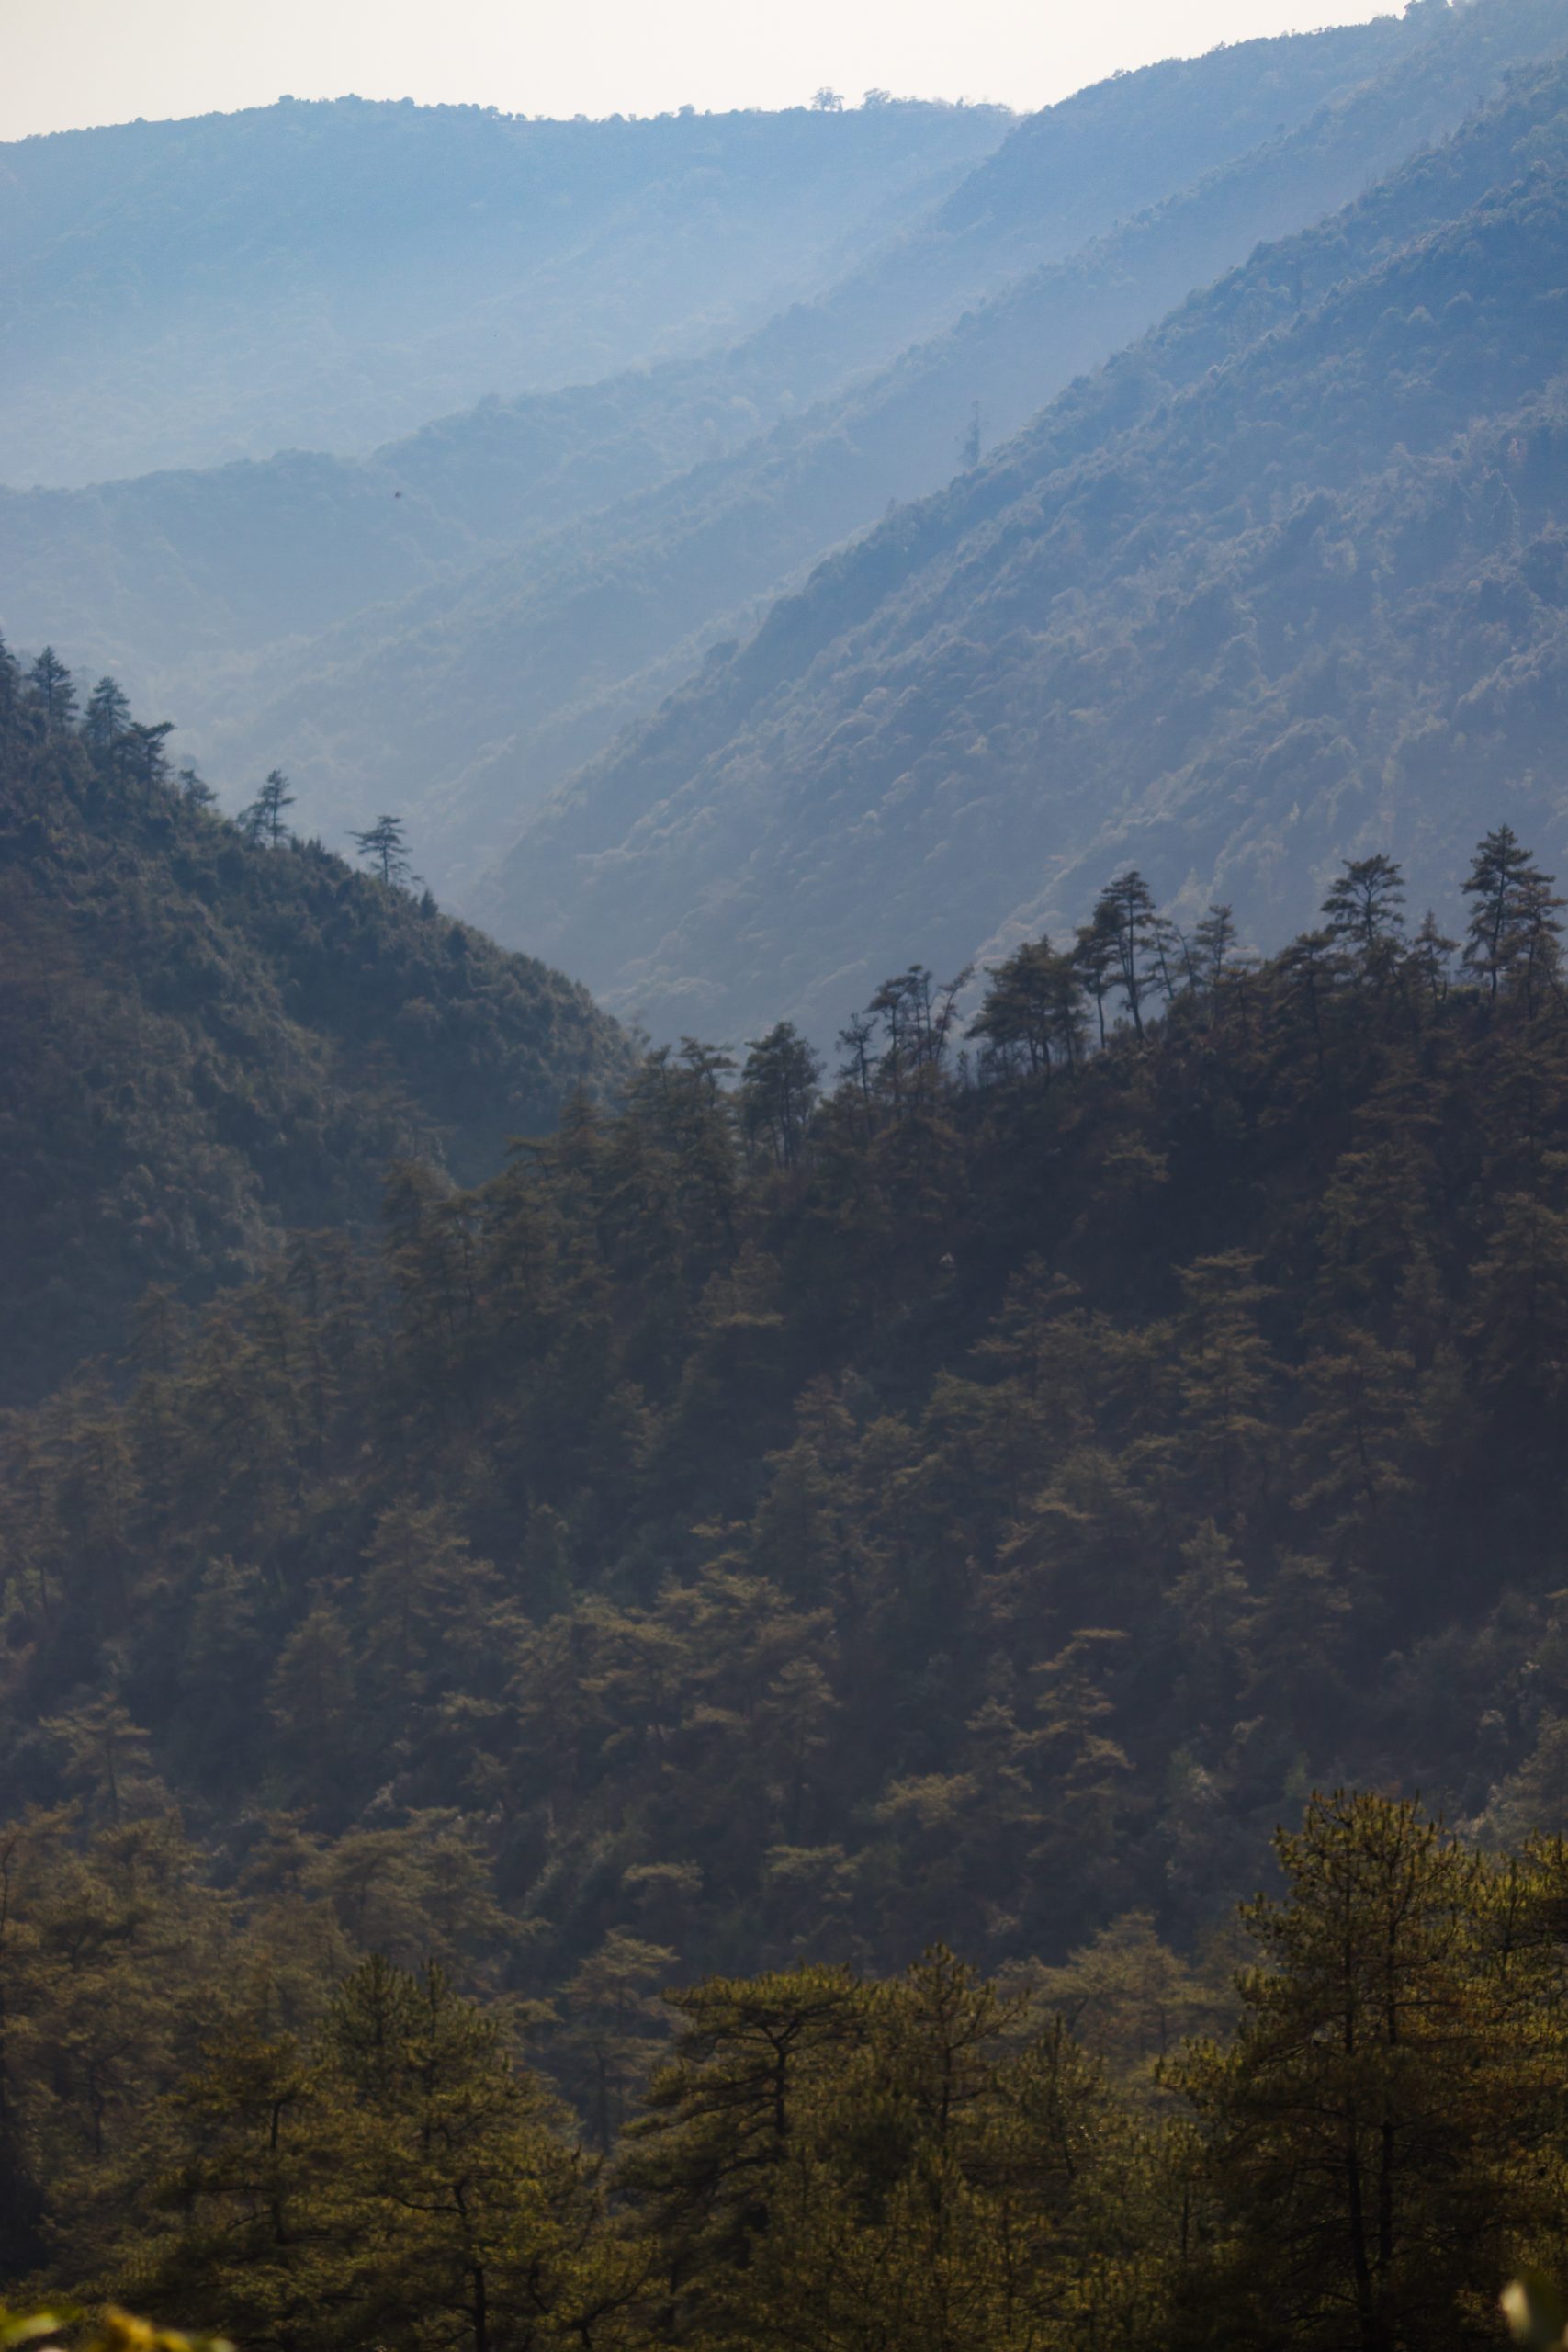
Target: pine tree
10,695
194,792
1359,2125
56,697
1513,933
107,723
263,820
1126,918
462,2215
778,1086
1096,958
145,758
383,846
1363,912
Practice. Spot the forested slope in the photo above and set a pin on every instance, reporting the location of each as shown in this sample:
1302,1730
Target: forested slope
1281,582
329,274
545,653
975,1502
266,2126
206,1040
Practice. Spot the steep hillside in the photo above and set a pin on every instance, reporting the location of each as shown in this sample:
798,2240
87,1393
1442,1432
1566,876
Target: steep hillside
205,1041
1066,176
973,1500
1282,580
175,293
154,577
547,651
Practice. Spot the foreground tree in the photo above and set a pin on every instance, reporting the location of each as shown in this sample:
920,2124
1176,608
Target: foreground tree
1363,2127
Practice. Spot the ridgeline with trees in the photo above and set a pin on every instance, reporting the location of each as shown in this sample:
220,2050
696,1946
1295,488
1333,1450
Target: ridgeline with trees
726,1697
784,1524
211,1032
1282,582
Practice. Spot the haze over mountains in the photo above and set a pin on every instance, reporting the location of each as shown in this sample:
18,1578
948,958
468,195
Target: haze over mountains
497,1523
459,622
165,574
479,624
1284,584
325,275
480,697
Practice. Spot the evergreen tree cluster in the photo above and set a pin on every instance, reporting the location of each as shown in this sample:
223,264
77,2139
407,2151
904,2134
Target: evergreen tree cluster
973,1495
211,1032
229,2112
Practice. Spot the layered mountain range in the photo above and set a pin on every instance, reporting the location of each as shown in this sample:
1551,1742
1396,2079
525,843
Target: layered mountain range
1284,582
508,1537
324,275
453,625
675,672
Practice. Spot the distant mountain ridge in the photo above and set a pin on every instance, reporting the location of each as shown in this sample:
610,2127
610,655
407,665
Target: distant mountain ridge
543,653
329,274
1282,582
513,467
460,621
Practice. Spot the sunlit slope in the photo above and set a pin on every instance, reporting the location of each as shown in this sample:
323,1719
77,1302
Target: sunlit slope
482,690
1284,580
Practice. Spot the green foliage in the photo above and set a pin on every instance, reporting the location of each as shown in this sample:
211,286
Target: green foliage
785,1520
212,1035
776,1526
828,2159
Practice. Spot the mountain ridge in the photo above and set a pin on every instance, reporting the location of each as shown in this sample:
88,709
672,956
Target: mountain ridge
359,701
967,644
336,271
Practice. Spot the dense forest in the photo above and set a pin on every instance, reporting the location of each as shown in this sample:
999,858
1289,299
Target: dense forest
356,2154
782,1523
1278,584
206,1040
885,1671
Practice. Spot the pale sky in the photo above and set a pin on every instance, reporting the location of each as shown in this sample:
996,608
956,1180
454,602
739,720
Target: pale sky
73,61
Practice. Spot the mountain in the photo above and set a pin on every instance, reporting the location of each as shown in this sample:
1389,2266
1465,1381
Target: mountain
654,517
1281,581
542,457
547,651
177,293
972,1500
158,577
206,1042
